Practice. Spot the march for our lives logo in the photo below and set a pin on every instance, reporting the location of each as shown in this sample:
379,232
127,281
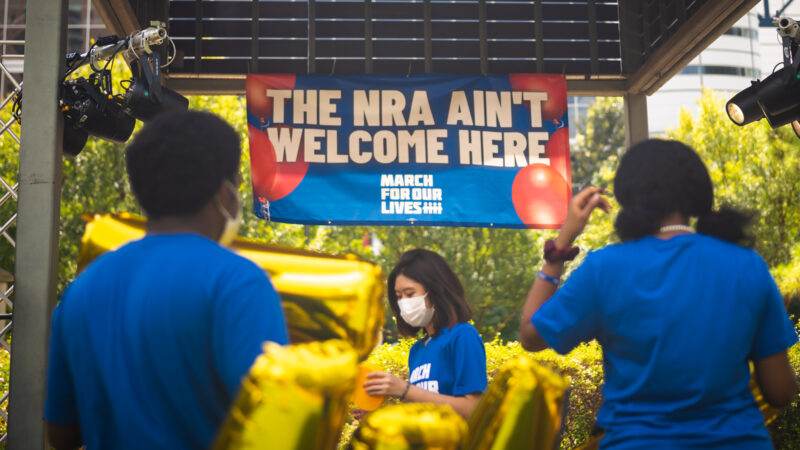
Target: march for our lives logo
410,194
419,377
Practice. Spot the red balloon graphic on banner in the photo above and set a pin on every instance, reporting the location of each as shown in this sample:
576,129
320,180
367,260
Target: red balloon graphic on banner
271,179
557,149
555,86
256,91
540,196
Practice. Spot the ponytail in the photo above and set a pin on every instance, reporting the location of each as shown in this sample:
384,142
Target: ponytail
728,224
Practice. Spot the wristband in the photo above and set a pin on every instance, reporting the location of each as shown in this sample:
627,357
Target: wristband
403,396
556,255
547,277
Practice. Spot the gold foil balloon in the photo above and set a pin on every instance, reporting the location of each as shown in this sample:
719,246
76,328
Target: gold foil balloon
294,397
521,409
323,296
410,426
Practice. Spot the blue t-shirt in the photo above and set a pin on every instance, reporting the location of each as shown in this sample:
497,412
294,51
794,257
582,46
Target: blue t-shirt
452,363
149,345
678,321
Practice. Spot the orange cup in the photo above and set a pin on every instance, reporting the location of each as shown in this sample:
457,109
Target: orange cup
362,399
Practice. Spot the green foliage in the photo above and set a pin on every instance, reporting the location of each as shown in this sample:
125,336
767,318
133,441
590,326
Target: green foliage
788,278
598,144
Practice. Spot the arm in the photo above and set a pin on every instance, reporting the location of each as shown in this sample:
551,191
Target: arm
774,335
64,436
382,383
463,405
580,208
776,379
540,292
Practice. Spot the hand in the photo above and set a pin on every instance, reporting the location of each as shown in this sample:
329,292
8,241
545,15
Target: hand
578,212
386,384
358,413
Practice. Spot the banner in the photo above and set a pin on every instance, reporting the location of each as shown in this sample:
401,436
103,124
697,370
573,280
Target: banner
429,149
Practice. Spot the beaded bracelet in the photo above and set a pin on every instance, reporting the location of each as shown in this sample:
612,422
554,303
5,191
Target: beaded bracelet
403,396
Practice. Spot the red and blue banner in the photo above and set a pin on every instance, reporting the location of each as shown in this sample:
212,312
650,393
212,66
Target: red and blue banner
429,149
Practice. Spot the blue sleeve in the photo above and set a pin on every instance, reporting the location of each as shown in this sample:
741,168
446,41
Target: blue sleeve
248,314
775,332
469,362
60,404
570,316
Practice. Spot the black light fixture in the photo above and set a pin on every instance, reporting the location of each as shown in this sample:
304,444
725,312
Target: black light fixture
774,98
777,97
91,110
90,107
145,97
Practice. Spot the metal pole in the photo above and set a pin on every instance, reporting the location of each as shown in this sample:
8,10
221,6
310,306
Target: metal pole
635,118
37,223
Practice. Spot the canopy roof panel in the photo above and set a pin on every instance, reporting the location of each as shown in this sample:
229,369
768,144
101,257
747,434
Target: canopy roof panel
605,47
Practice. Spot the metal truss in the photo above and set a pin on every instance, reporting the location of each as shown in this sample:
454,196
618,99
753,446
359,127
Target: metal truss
9,189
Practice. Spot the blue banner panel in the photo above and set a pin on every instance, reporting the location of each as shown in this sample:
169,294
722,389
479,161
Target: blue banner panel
429,149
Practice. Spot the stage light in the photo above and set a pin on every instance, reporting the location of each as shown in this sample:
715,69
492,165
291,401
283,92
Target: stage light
777,97
87,107
773,98
145,97
142,104
90,107
743,107
74,139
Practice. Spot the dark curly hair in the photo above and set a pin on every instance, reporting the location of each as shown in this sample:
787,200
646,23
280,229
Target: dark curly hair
445,291
178,161
656,178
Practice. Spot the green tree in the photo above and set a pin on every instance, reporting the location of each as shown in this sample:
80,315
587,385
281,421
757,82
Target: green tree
599,142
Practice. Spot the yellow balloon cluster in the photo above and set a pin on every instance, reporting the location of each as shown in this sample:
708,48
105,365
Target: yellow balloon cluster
323,296
521,408
294,397
410,426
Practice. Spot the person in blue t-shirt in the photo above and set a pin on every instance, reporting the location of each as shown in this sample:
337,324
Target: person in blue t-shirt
447,366
150,343
680,312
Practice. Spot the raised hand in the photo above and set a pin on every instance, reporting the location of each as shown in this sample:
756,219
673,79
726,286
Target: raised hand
578,213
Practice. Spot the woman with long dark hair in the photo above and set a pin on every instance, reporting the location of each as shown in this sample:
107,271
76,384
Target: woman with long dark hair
680,312
447,365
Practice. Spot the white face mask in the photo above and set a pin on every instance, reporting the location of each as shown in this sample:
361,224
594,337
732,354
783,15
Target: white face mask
231,223
414,311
